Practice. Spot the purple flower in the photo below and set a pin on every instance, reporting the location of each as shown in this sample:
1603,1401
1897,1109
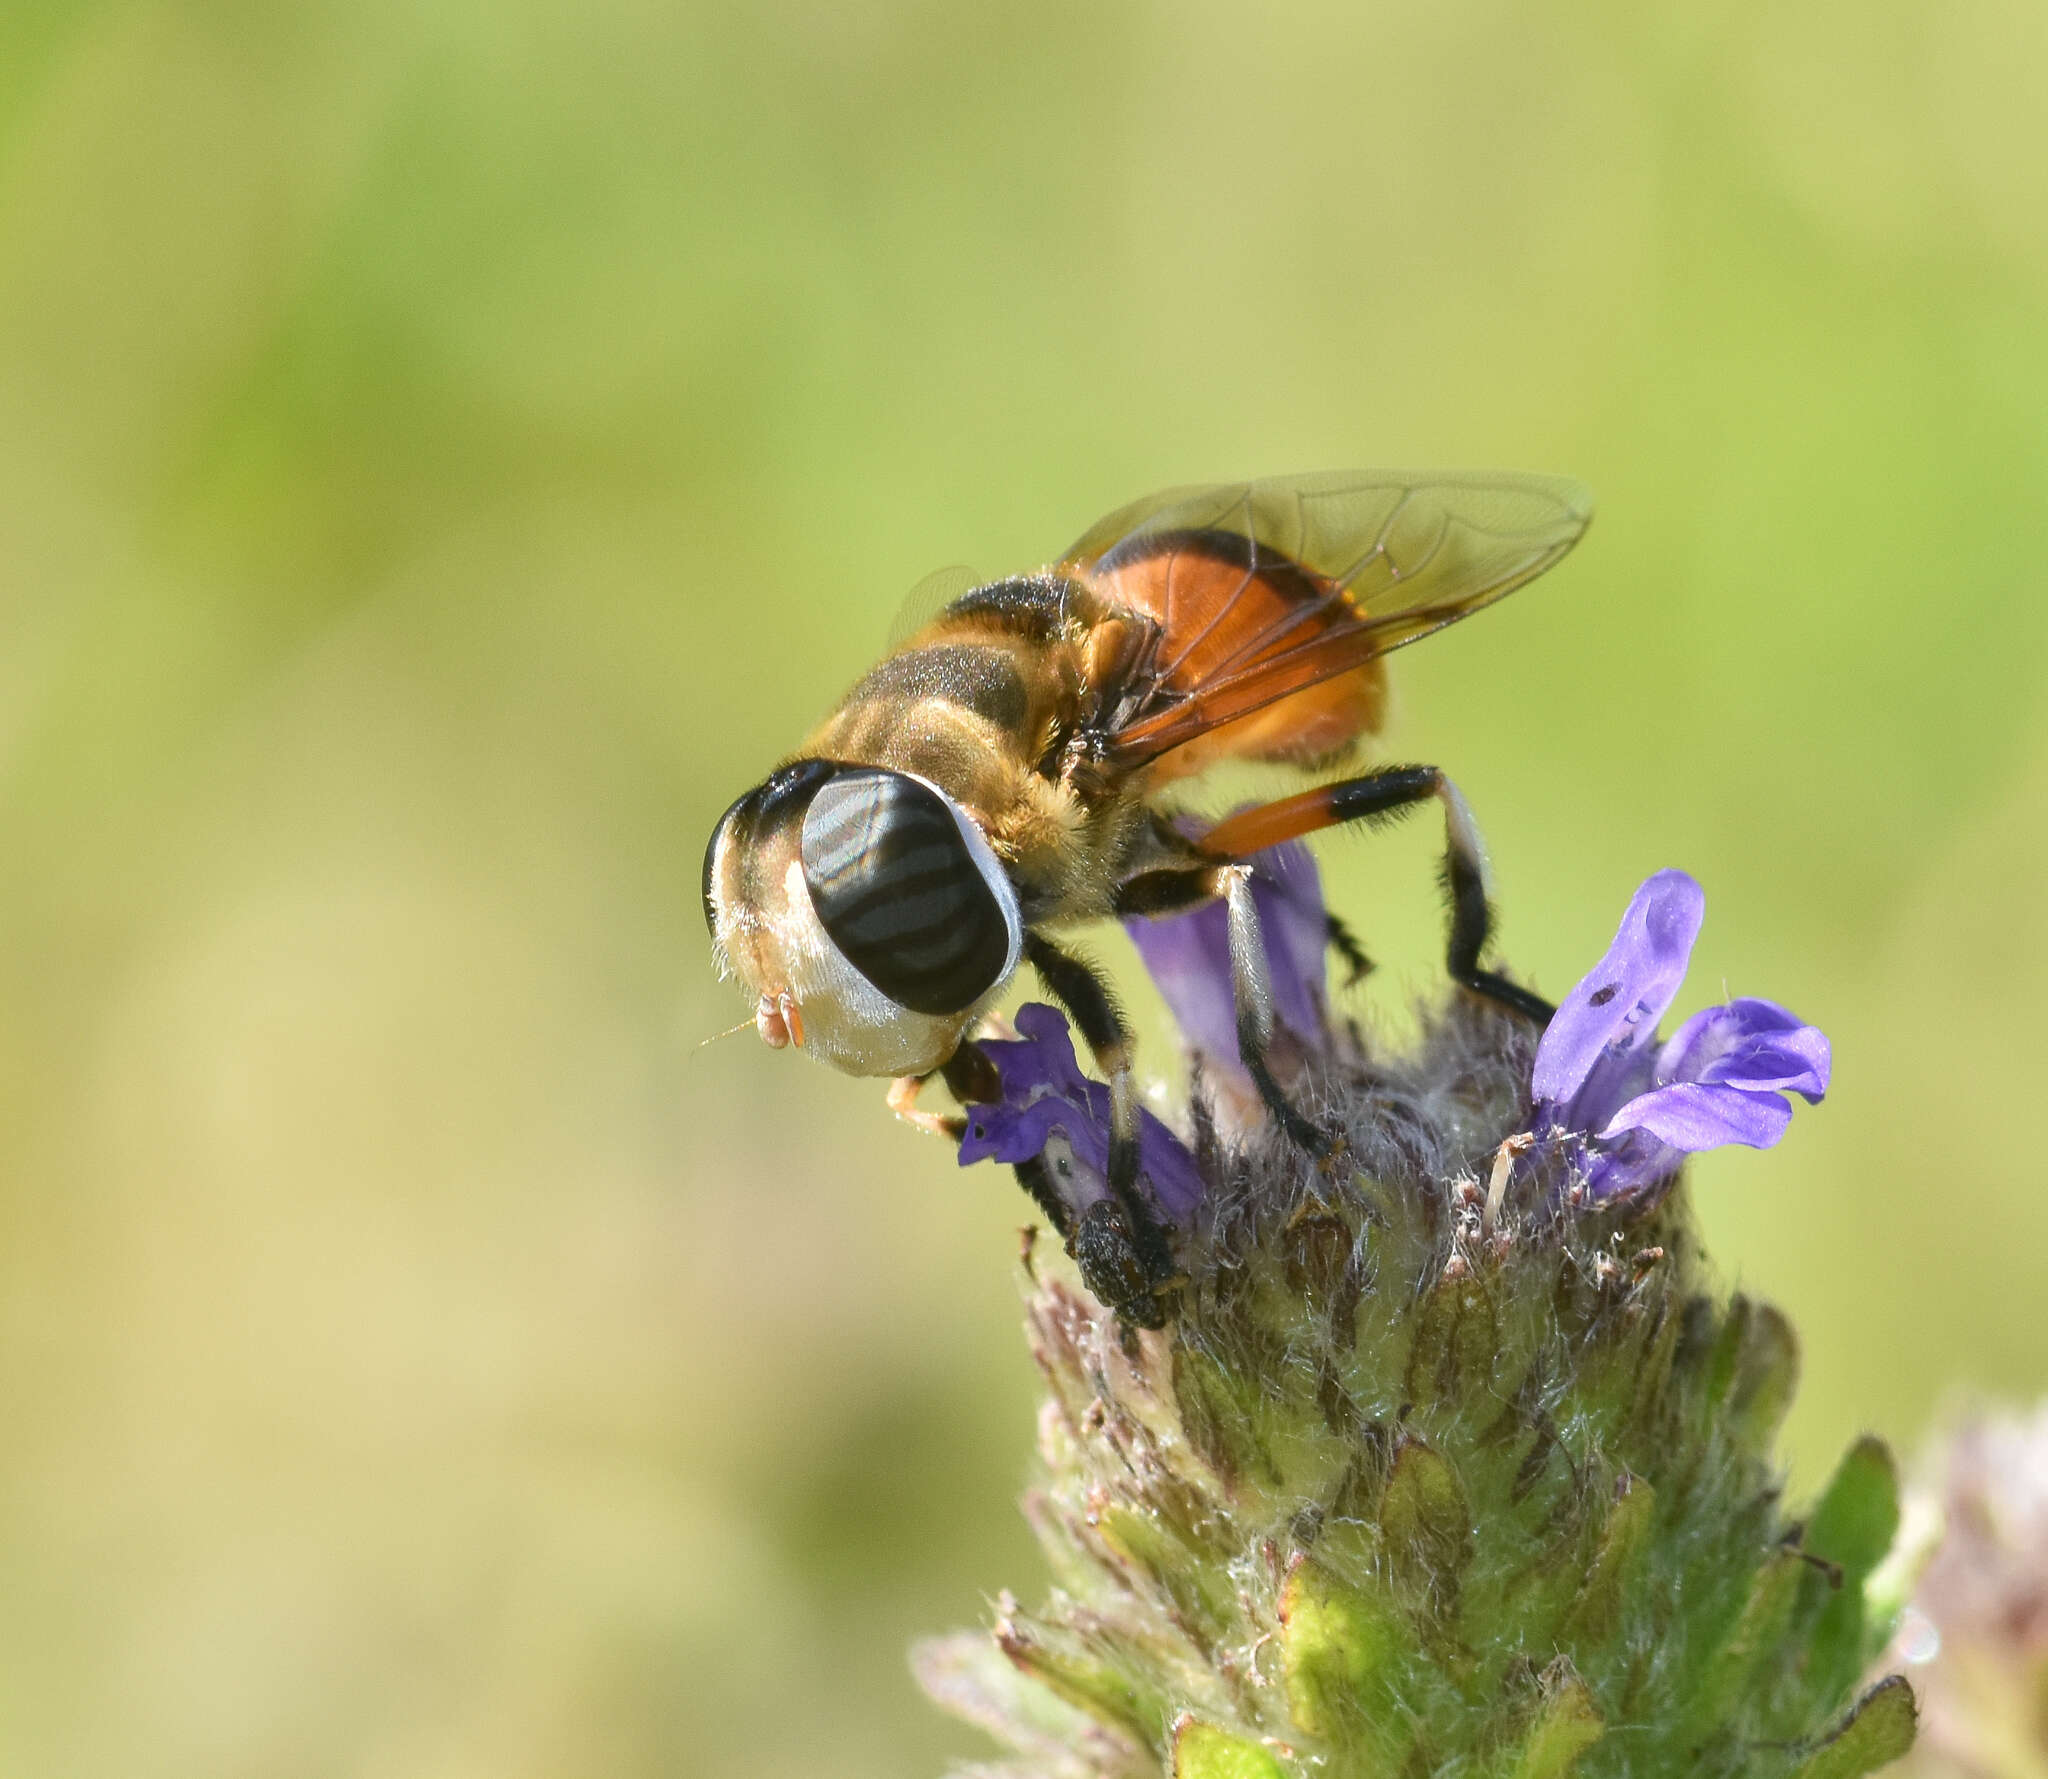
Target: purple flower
1629,1108
1044,1094
1188,955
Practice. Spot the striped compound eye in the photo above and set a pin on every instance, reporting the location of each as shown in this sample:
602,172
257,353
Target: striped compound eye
907,888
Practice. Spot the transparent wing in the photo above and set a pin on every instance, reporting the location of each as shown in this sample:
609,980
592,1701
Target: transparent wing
927,600
1265,588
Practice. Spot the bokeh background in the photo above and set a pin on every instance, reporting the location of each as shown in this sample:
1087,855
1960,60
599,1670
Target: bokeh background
448,450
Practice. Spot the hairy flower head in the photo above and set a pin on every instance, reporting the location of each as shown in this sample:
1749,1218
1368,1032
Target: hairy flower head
1419,1479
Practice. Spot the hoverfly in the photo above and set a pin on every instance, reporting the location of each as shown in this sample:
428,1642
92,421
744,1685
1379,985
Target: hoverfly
994,778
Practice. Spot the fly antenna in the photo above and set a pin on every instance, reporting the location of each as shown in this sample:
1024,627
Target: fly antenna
706,1043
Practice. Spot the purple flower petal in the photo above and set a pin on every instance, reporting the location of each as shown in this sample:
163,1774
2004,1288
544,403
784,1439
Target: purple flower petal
1749,1043
1605,1019
1694,1115
1044,1091
1188,955
1625,1113
1019,1133
1042,1056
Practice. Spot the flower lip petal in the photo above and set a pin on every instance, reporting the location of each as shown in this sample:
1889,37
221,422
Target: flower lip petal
1014,1134
1043,1091
1690,1116
1611,1011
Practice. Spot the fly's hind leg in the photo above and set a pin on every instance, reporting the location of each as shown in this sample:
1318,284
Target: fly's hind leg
968,1075
1377,796
1251,981
1251,988
1381,796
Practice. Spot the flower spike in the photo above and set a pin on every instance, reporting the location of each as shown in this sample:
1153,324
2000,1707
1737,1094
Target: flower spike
1415,1479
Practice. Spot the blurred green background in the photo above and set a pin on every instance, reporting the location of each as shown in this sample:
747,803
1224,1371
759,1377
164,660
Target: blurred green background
447,451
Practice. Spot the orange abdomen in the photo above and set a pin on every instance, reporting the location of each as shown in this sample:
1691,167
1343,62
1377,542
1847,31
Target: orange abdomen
1220,613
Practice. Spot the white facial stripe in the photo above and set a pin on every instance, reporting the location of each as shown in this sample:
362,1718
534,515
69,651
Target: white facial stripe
714,890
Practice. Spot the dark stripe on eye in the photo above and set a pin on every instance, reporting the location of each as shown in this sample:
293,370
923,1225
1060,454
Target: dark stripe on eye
900,894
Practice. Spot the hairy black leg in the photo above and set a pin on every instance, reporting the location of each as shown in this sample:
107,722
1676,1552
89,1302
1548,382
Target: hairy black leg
1344,942
1381,796
1168,891
1464,873
1087,1000
1171,891
1102,1245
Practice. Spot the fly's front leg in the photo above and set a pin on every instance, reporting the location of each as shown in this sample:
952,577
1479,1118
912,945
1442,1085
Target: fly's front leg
967,1073
1088,1002
903,1092
1119,1242
1377,797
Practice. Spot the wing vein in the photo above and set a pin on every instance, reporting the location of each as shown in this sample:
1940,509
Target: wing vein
1302,546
